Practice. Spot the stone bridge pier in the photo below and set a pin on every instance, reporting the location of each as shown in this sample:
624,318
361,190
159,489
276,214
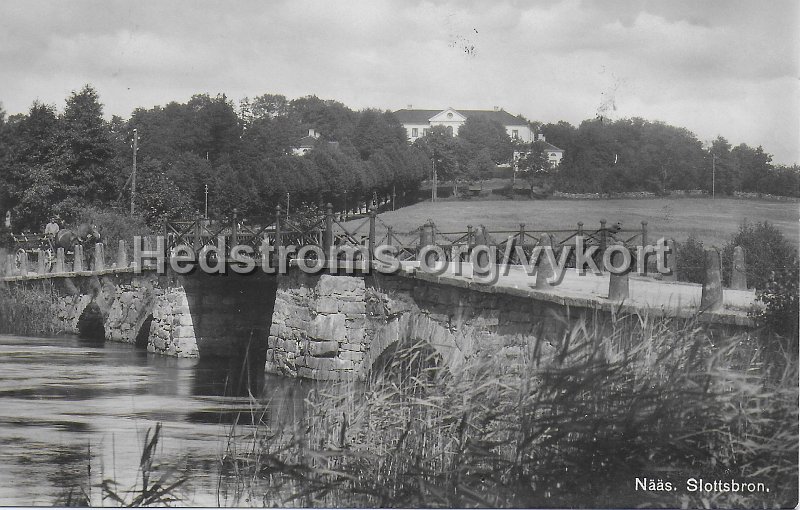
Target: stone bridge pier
212,316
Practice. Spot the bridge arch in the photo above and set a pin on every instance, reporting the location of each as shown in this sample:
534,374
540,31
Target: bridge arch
410,329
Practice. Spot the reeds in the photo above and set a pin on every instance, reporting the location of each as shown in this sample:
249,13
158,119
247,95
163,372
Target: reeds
28,310
571,423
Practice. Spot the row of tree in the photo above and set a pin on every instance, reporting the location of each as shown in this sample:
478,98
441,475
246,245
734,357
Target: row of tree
61,163
638,155
53,163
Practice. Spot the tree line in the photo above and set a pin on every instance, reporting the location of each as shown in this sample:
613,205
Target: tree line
62,163
639,155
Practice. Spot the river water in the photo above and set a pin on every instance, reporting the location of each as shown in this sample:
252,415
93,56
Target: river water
74,413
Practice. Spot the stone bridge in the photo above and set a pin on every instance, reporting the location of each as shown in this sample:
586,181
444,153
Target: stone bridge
336,326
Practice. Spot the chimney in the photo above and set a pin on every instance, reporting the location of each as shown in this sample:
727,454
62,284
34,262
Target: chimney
410,107
540,137
497,108
313,133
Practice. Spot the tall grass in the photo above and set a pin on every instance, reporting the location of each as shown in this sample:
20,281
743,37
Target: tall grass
570,423
27,310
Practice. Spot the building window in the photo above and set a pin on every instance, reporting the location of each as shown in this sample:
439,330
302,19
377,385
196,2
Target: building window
515,134
449,115
425,132
414,132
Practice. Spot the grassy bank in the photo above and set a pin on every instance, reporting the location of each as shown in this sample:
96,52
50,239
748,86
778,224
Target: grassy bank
568,422
710,220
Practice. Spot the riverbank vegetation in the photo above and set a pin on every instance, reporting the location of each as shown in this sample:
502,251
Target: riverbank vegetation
568,422
28,310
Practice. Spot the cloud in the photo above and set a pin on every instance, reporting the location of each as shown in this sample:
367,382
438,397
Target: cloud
727,68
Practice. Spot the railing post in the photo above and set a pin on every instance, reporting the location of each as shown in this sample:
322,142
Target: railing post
603,236
40,262
739,270
327,236
77,258
521,234
122,254
618,284
278,234
469,237
23,263
372,215
235,228
59,261
711,298
672,261
99,257
644,233
580,228
544,269
197,232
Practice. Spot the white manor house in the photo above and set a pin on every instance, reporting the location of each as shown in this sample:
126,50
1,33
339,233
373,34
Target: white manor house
418,122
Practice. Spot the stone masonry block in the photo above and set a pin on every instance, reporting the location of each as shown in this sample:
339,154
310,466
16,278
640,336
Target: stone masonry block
327,305
353,307
327,348
328,327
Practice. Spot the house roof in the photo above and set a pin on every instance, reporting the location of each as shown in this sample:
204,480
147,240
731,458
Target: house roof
306,142
550,147
406,116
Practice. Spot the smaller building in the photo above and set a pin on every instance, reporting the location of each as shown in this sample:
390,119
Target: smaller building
554,154
305,144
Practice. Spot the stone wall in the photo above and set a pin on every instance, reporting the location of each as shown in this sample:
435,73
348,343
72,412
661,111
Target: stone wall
336,327
319,326
172,328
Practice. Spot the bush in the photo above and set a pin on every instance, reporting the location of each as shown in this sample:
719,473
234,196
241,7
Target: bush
113,226
691,260
780,315
766,250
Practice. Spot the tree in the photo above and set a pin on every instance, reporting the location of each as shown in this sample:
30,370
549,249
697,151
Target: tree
377,130
534,166
720,176
483,133
85,149
442,150
481,166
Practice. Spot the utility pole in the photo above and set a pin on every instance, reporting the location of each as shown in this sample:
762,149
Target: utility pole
133,175
206,187
713,174
287,205
434,190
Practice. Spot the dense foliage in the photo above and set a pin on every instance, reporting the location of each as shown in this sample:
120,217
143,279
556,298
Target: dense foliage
54,162
62,163
638,155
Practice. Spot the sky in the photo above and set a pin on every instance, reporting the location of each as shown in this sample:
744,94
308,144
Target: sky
725,68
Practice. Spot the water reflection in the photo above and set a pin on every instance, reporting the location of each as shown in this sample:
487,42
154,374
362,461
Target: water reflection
73,412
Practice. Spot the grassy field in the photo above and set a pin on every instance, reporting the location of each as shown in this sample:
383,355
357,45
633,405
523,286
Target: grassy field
711,220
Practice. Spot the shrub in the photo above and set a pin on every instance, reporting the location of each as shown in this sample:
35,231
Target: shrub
113,226
691,260
766,250
780,315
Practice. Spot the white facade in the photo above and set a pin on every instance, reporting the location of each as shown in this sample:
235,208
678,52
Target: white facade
416,122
